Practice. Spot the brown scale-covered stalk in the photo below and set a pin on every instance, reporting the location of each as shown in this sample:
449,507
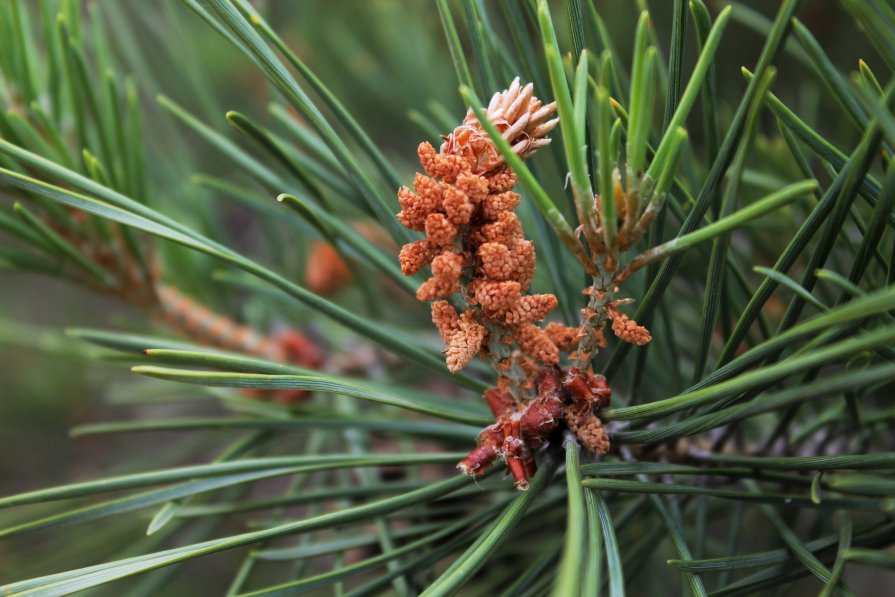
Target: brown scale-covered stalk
193,320
126,280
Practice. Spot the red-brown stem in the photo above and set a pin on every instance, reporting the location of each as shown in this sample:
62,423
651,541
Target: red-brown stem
490,440
499,402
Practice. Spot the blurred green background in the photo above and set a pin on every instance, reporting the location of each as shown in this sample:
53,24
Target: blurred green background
383,59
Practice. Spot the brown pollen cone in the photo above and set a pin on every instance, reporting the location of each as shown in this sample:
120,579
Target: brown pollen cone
325,270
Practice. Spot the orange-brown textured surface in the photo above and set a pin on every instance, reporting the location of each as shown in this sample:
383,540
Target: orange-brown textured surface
474,243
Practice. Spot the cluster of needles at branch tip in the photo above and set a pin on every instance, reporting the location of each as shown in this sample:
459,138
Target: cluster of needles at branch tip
476,248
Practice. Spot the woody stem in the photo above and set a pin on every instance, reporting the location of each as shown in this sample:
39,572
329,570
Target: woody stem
601,294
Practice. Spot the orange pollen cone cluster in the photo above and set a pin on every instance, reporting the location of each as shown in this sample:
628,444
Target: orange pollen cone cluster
474,245
627,329
474,241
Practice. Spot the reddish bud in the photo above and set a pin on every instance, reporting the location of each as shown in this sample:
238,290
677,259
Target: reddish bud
485,454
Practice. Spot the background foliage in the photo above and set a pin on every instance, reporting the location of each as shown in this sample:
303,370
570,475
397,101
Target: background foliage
775,483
